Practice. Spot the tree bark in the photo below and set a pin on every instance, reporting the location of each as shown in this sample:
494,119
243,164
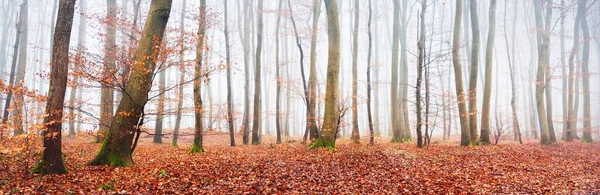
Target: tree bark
181,78
420,67
198,75
487,91
465,138
246,46
257,76
278,76
312,79
369,85
542,42
332,113
107,91
474,71
117,147
587,122
51,161
355,131
230,108
396,128
81,37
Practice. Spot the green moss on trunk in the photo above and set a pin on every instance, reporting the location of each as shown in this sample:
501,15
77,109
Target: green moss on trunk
197,149
43,168
322,143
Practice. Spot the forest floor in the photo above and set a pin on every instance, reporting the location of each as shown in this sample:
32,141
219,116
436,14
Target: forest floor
383,168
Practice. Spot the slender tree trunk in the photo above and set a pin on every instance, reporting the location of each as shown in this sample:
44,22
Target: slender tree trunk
403,121
51,161
542,42
278,76
587,120
21,68
107,91
198,75
487,91
420,67
119,144
355,131
230,109
369,85
246,46
571,122
465,138
80,45
332,112
11,79
257,76
396,128
474,71
312,79
513,98
181,78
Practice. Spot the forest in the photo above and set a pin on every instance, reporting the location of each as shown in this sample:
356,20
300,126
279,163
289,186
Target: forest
299,97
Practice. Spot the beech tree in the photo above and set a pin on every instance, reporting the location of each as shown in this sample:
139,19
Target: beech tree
465,133
257,75
51,161
487,90
355,130
119,143
332,112
198,107
107,80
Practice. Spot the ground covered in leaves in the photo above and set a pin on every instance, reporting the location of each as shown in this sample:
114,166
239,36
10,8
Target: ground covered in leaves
384,168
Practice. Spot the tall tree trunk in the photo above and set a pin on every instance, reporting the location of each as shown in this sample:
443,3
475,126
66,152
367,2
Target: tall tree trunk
543,43
474,71
11,79
420,67
332,112
487,91
245,36
355,131
257,76
369,85
403,121
465,138
198,75
107,91
571,122
312,79
160,111
230,109
21,68
181,78
81,37
119,144
513,98
565,79
395,126
278,76
587,122
51,161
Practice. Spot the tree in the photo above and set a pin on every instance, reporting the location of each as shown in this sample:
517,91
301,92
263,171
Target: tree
369,85
511,60
420,66
312,79
230,108
587,123
332,112
474,68
278,76
118,146
51,161
181,77
245,36
543,44
257,69
198,108
487,90
571,121
107,92
11,78
397,135
160,111
355,131
465,133
80,44
22,67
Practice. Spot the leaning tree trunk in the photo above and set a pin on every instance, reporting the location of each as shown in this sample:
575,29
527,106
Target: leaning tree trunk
257,75
487,91
198,108
587,122
465,138
473,72
230,109
355,131
119,144
80,44
107,91
11,78
278,77
332,112
51,161
181,78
